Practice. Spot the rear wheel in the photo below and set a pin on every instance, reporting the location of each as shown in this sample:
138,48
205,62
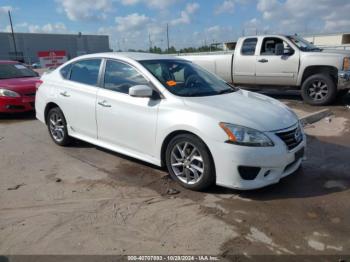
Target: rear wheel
189,162
319,90
57,126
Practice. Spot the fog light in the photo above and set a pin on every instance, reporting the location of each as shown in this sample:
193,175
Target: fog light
267,173
248,172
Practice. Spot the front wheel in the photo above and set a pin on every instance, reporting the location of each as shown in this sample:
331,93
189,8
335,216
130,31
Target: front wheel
57,126
189,162
319,90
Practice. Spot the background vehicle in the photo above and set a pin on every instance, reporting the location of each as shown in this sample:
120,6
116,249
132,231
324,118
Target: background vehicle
283,61
17,87
170,112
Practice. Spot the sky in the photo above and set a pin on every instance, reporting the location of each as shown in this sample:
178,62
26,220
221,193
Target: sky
132,24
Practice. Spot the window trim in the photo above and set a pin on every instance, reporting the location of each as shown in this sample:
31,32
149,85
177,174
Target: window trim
256,45
103,71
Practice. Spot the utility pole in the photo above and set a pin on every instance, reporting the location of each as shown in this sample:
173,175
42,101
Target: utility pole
13,34
167,35
150,42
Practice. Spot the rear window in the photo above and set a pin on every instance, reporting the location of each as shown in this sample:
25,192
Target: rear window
86,71
249,46
8,71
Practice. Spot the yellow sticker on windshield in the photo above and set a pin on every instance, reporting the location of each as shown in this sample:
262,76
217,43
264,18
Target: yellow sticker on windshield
171,83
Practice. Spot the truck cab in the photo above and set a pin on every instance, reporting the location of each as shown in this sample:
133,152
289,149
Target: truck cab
268,60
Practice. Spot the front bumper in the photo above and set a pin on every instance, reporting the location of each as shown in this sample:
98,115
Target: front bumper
343,80
276,161
17,104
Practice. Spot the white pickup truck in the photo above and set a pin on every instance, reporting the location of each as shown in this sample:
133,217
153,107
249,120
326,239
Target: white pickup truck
283,61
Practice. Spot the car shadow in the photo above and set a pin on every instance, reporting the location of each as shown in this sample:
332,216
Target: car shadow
294,95
8,118
322,173
82,144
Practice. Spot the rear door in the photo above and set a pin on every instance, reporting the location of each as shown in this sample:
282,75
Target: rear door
244,62
273,69
77,96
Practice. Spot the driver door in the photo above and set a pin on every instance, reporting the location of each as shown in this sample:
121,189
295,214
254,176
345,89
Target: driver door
124,121
273,69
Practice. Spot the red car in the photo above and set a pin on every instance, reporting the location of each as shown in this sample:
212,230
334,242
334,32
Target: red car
18,85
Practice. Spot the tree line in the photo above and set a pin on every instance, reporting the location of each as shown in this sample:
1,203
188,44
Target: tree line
173,50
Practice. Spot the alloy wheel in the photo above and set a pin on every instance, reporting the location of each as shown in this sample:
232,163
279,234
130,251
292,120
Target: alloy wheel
187,163
57,128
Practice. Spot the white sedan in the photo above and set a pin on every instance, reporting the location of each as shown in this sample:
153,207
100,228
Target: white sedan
170,112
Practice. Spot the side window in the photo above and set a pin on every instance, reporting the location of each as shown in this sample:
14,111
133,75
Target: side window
249,46
86,71
120,77
65,71
269,46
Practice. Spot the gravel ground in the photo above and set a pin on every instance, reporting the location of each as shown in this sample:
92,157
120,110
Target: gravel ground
86,200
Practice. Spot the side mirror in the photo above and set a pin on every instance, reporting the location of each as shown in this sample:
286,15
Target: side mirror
288,51
279,49
141,91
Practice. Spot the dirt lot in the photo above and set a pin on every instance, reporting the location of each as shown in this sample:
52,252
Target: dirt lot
86,200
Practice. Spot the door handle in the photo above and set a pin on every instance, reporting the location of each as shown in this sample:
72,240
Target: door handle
65,94
104,103
263,60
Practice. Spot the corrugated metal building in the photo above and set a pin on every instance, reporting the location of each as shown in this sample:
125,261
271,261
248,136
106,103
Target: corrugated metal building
29,44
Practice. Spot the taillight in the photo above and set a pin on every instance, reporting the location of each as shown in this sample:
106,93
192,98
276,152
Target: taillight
38,84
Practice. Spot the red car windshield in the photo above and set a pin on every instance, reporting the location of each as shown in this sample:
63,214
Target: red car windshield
8,71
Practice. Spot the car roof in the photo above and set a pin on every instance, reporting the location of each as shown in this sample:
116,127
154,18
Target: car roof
138,56
8,62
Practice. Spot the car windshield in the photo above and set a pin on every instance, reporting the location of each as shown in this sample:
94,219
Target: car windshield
184,78
8,71
303,44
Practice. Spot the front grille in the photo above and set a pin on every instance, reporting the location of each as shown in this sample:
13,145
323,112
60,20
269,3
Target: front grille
291,138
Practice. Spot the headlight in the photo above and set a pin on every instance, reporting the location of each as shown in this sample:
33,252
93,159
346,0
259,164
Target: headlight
8,93
346,64
245,136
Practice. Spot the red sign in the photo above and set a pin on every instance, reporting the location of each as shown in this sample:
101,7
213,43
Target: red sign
53,58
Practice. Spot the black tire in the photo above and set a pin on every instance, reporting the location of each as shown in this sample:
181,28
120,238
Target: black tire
65,139
311,86
207,177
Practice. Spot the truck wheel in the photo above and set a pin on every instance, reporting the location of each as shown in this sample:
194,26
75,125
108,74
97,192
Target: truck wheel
319,90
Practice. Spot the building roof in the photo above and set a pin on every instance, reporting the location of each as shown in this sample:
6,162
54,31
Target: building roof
325,34
54,34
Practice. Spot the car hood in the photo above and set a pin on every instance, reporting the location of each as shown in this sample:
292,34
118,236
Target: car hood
335,51
20,85
245,108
